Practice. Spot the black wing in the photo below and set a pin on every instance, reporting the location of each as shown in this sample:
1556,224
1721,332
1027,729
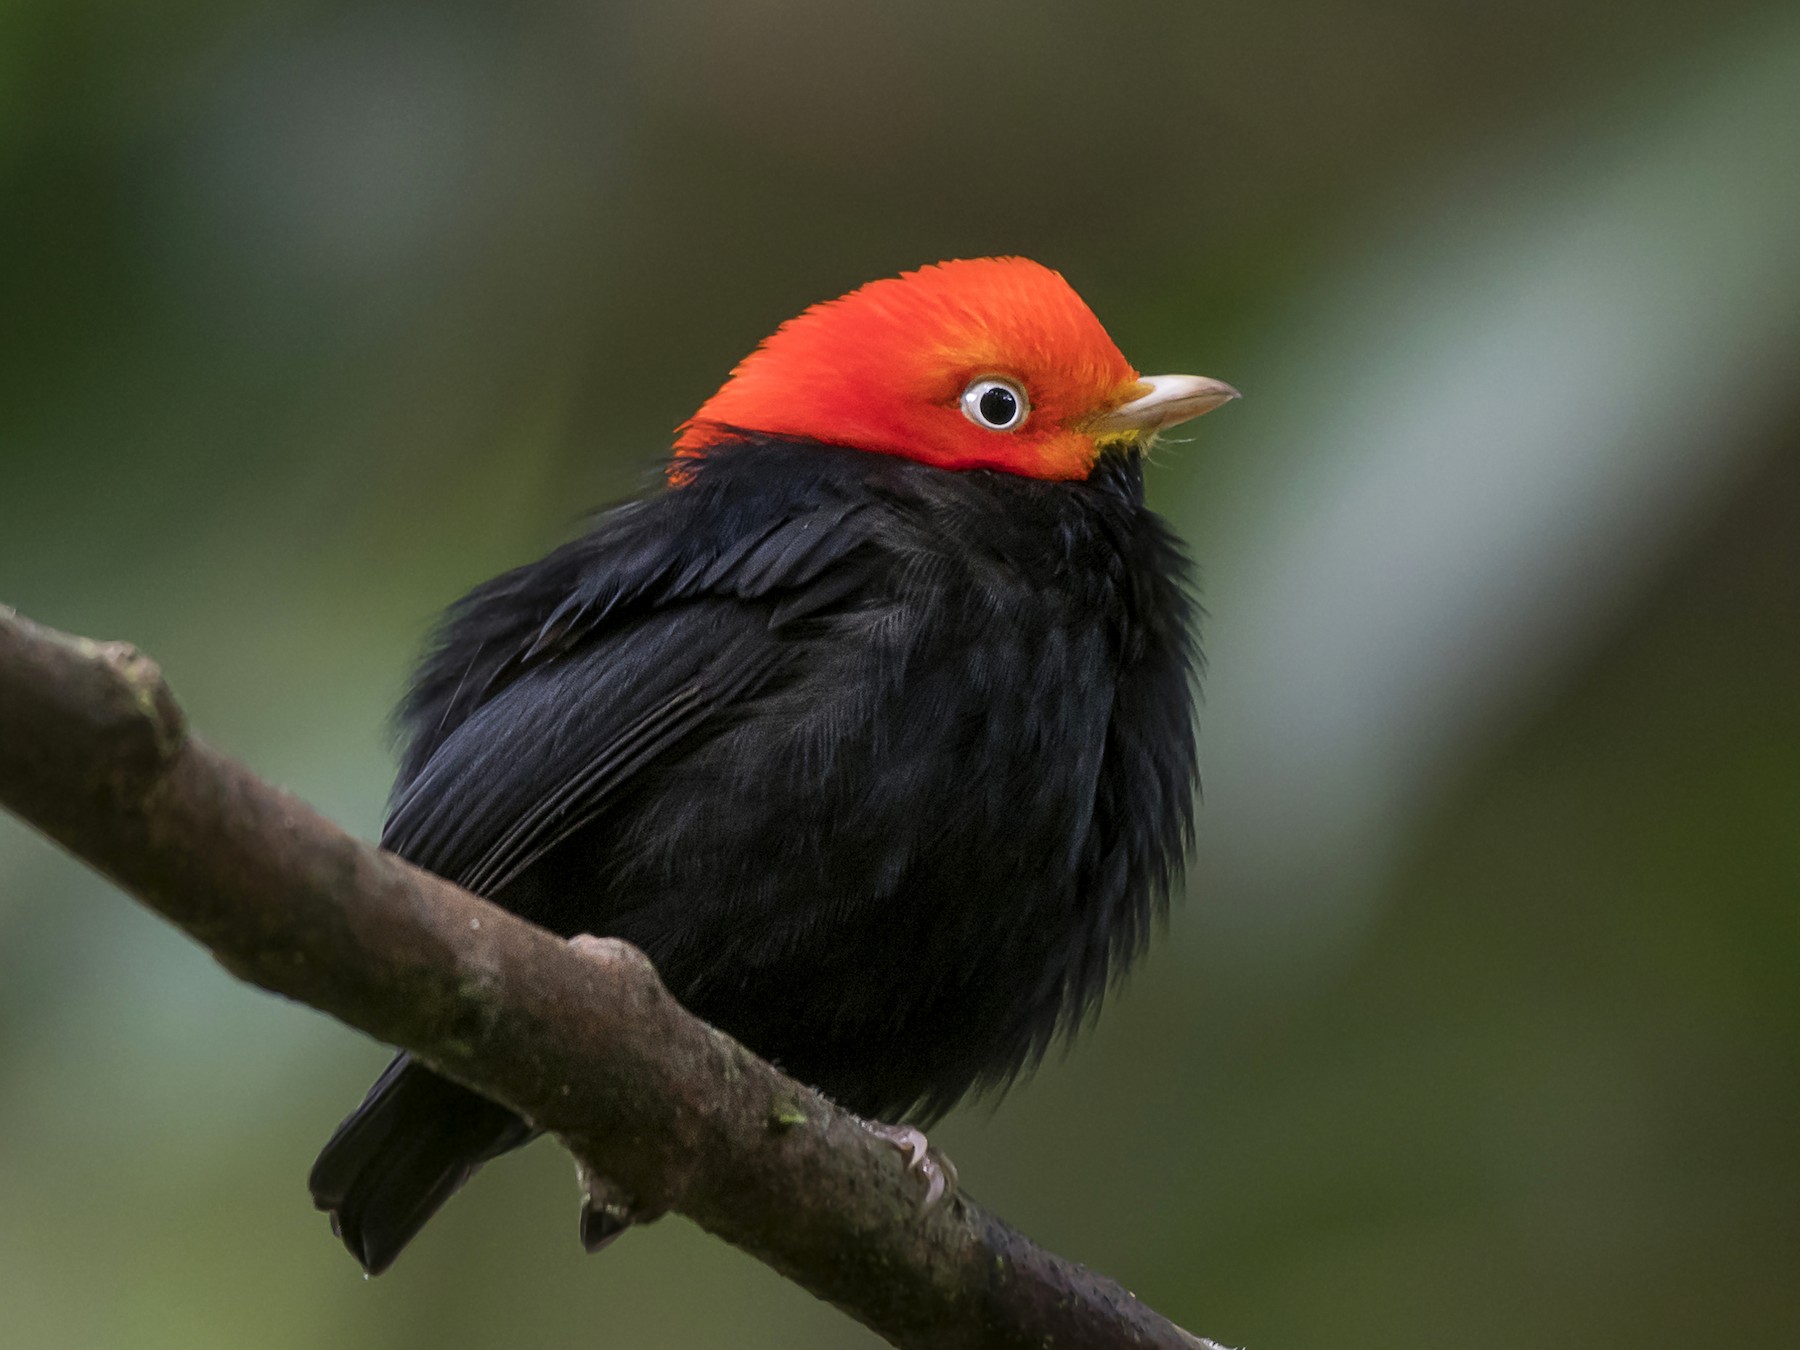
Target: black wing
551,687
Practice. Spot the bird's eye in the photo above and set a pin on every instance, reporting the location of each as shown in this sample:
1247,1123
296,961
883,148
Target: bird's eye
998,405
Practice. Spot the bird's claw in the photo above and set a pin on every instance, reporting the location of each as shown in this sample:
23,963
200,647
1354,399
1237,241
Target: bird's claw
938,1172
602,1223
601,1226
605,1210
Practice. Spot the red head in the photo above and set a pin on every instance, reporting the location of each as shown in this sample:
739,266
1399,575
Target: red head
988,363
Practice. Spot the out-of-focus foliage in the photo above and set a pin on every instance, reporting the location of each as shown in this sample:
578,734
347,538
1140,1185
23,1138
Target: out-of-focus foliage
1481,1023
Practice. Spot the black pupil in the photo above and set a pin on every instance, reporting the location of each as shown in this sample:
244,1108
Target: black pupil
998,406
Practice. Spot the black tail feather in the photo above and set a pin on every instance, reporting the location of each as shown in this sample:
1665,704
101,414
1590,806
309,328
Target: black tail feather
399,1156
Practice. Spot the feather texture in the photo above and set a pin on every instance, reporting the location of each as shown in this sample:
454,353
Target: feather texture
887,767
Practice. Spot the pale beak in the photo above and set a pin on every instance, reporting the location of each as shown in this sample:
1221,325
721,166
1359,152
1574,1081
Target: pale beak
1172,399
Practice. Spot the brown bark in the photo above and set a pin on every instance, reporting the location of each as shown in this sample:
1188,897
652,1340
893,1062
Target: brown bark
666,1113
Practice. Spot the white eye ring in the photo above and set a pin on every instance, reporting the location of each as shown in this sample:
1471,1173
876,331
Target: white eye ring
995,404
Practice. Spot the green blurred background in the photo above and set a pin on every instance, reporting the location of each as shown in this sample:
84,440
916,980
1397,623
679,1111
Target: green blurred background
1481,1023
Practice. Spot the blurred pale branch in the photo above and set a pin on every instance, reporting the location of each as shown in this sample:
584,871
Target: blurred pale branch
660,1111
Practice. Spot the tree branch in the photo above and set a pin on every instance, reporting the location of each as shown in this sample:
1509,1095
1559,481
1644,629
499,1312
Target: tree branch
661,1110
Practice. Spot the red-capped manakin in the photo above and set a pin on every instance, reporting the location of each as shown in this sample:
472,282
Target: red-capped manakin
873,726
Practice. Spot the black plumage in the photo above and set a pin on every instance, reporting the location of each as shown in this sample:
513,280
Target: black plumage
888,768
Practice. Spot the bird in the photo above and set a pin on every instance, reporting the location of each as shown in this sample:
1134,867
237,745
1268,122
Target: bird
871,721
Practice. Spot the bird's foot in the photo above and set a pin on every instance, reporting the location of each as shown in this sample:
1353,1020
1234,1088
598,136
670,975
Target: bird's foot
600,1225
603,1218
605,1212
937,1171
